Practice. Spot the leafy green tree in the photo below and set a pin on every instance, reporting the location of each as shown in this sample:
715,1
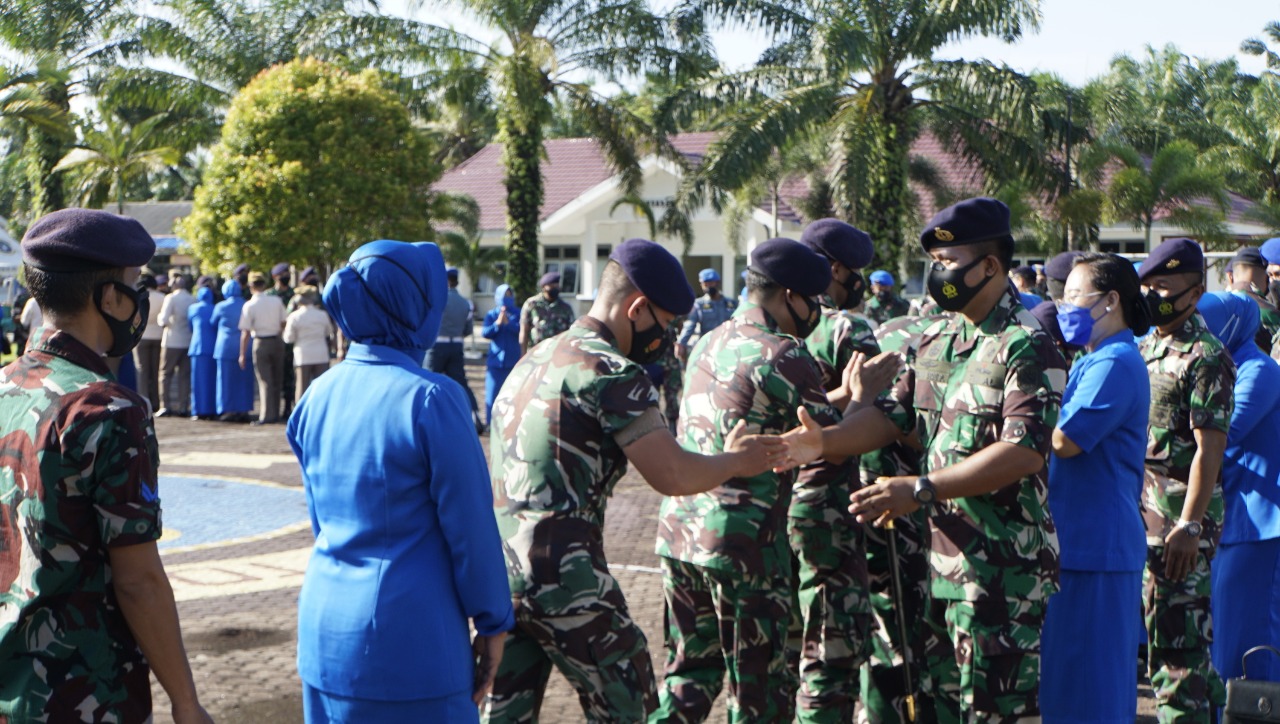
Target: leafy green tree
313,161
1258,46
111,154
68,32
1250,155
1176,183
546,49
864,76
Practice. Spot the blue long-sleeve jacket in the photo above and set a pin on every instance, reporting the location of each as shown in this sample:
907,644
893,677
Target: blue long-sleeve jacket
226,320
504,339
203,330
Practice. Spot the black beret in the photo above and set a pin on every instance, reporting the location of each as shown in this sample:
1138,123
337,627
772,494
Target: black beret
309,273
1059,267
549,278
657,273
1250,255
1173,256
147,281
969,222
840,241
76,240
278,269
240,269
793,266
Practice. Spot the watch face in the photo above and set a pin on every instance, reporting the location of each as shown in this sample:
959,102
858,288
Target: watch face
1193,529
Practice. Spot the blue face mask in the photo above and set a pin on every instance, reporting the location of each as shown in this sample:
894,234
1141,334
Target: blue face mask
1076,323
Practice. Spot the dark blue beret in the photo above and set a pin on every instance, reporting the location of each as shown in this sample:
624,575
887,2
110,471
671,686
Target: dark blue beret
840,241
451,272
240,269
1271,250
278,269
1173,256
969,222
1059,267
308,273
549,278
147,281
1047,314
76,240
657,273
792,265
1250,255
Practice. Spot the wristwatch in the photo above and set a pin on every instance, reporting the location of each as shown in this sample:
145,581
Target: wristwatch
925,494
1192,528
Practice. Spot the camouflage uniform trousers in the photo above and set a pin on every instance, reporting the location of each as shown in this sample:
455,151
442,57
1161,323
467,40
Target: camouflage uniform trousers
986,664
831,620
716,622
599,649
883,688
1179,635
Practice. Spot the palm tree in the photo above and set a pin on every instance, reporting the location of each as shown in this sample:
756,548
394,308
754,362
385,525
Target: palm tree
71,32
546,49
1176,182
20,97
1251,155
864,76
1258,46
110,156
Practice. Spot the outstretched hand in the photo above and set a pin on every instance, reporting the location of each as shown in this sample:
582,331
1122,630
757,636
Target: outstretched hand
758,453
804,443
864,379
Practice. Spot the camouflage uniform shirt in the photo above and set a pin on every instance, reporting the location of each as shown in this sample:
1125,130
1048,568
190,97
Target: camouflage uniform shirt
77,477
555,461
822,489
884,310
968,388
545,319
743,370
1192,388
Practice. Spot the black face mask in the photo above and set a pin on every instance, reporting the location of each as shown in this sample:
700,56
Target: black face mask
125,335
552,294
284,279
713,292
804,325
1162,309
947,286
648,346
855,288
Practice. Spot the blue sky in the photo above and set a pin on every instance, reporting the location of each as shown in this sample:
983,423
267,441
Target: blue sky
1077,39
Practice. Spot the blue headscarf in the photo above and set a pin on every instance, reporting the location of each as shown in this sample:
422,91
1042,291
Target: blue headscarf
391,293
231,289
1233,318
205,294
501,295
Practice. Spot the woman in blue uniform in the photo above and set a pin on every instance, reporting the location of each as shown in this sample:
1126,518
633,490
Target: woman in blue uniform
204,378
1091,631
502,329
407,553
1246,570
235,386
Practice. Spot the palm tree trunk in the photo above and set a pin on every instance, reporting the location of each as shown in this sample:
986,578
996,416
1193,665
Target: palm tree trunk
45,150
884,214
119,192
522,177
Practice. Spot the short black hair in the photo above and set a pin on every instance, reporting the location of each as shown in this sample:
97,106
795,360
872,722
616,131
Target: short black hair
615,286
761,285
1025,273
1114,273
66,293
1001,249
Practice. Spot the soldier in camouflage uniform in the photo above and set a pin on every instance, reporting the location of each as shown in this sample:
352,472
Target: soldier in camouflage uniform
884,303
544,315
82,590
882,684
1192,399
831,616
672,375
569,417
1247,274
983,396
725,558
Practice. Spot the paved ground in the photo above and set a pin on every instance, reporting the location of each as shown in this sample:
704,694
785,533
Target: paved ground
236,546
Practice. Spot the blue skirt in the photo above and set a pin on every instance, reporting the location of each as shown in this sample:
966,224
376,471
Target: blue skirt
1246,608
1089,649
204,385
235,386
319,707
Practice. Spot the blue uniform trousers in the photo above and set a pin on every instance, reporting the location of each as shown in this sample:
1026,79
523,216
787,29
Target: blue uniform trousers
1246,607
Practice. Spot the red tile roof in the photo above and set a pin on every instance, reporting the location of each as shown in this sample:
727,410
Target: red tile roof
572,166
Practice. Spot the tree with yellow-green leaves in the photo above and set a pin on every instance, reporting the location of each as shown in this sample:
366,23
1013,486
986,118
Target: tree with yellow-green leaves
313,161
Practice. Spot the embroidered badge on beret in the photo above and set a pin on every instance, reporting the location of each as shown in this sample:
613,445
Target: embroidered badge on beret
942,234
